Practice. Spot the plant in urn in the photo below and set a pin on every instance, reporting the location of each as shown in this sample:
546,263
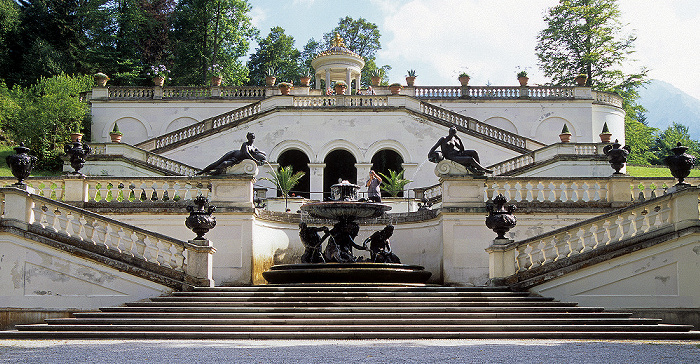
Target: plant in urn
200,220
617,156
21,164
500,218
680,163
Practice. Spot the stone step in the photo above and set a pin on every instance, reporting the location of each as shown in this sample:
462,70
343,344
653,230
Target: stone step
356,287
351,299
350,315
353,321
351,294
428,305
350,309
314,335
377,327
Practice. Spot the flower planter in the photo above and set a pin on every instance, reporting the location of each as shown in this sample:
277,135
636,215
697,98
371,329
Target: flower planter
305,81
76,137
159,81
581,80
270,81
116,137
464,80
284,89
216,81
395,89
605,137
410,81
101,81
340,89
565,138
523,81
376,80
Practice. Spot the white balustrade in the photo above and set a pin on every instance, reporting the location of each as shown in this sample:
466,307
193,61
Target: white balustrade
607,98
438,92
186,92
131,92
144,190
369,101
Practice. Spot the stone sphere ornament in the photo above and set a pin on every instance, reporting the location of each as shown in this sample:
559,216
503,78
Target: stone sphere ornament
200,220
680,163
500,218
617,156
21,164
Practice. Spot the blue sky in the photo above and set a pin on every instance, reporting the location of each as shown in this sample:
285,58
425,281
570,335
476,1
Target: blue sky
489,39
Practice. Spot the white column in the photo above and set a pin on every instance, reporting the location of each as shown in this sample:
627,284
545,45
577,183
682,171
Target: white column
328,79
316,180
348,80
357,82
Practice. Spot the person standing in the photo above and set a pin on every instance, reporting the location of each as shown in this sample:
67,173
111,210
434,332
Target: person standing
373,183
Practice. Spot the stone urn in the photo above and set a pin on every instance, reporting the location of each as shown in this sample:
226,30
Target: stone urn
500,218
77,153
581,80
285,88
395,88
523,80
679,163
305,81
344,191
617,156
101,79
340,88
200,220
21,164
159,81
464,80
216,81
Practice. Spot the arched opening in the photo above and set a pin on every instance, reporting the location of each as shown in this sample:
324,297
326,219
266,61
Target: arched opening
340,164
384,160
300,163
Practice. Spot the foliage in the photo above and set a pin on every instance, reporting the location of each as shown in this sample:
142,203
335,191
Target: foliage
584,37
565,130
115,130
641,171
275,51
9,24
411,73
606,130
463,74
640,139
522,74
158,71
207,32
394,183
46,113
285,179
668,140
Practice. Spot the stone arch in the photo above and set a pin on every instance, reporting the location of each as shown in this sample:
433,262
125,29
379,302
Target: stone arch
179,123
132,128
548,130
300,163
286,145
387,159
338,144
340,164
388,144
502,123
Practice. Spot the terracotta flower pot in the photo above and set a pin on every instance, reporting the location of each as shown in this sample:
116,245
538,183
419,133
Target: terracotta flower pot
605,137
410,80
159,81
376,81
395,89
76,137
340,89
305,81
270,80
285,90
101,81
464,80
565,138
581,80
216,80
523,81
116,137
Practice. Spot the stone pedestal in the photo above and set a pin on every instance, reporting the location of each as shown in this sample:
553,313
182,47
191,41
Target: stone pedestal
200,261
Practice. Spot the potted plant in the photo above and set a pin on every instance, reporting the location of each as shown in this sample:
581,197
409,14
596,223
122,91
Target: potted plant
76,136
305,80
270,77
393,183
581,79
522,78
215,70
285,87
340,87
395,88
285,179
411,77
377,76
464,79
159,73
565,135
101,79
115,134
605,135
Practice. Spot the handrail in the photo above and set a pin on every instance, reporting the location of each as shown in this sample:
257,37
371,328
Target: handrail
185,92
145,156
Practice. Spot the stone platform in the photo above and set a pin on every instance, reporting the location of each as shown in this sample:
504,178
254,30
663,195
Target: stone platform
380,273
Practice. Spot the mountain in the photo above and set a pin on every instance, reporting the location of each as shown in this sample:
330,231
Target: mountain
666,104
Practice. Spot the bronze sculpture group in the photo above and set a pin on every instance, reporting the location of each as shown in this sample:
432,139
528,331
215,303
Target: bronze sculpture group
341,242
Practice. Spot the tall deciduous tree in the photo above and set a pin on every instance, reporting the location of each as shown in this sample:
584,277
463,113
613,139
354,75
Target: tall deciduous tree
586,37
668,140
276,51
9,24
208,32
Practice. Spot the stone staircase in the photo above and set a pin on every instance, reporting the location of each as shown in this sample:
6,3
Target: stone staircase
352,312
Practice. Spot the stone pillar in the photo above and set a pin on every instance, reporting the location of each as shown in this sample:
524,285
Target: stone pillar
501,259
358,82
76,189
348,80
200,262
18,207
215,91
685,205
467,191
100,93
316,180
328,80
318,82
232,190
157,92
619,191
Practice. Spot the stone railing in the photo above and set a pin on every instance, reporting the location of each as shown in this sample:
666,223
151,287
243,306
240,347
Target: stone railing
593,234
546,153
341,101
180,93
145,156
478,127
607,98
24,210
231,117
438,92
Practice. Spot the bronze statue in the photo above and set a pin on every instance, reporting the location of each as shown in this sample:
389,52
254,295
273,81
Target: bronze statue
379,248
247,151
312,243
339,247
451,148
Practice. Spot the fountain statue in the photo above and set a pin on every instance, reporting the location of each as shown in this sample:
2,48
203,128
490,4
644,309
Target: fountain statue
451,148
338,264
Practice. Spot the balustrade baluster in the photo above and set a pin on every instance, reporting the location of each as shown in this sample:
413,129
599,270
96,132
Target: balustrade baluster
549,250
536,255
523,258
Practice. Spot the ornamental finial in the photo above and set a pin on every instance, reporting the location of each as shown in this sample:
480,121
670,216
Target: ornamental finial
338,41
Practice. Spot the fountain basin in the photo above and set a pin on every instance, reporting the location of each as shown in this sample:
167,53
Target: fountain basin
345,210
383,273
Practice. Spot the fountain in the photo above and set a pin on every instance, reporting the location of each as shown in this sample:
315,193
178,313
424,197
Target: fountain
338,264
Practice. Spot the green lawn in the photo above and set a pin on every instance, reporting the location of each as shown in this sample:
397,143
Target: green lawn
639,171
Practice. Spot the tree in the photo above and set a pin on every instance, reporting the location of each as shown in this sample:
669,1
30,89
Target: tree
285,179
9,24
669,138
276,51
640,138
584,37
208,32
394,183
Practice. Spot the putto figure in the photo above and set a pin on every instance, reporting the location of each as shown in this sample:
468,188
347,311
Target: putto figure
451,148
247,151
341,243
312,242
379,248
